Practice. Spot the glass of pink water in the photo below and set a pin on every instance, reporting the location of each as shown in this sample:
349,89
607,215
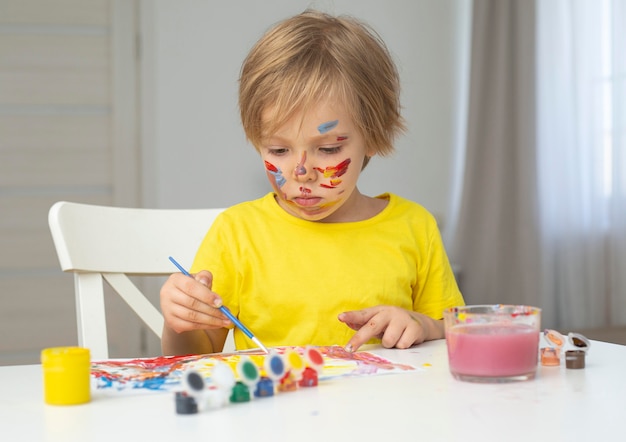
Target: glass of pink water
493,343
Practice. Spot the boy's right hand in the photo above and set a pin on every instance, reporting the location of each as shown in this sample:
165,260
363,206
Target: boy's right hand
190,304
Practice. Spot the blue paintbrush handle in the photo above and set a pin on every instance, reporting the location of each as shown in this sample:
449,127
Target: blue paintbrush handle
226,312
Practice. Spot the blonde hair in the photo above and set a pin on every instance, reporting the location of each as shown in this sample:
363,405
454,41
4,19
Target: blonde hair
313,57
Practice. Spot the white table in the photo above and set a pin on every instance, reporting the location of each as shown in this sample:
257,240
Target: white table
429,405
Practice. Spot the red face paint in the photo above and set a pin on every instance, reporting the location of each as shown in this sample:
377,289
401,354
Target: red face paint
333,184
334,172
269,166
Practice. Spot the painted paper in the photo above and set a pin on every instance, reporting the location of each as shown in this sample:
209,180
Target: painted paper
164,373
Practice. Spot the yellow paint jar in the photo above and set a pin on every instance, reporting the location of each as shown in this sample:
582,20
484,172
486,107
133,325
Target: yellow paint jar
66,375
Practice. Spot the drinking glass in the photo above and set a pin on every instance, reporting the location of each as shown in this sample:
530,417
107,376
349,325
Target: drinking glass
493,343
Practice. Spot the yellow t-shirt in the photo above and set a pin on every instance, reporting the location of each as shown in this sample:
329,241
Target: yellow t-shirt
287,279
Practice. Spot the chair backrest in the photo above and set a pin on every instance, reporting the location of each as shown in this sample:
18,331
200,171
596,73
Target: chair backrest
101,242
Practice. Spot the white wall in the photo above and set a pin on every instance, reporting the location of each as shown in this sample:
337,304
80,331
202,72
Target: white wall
194,150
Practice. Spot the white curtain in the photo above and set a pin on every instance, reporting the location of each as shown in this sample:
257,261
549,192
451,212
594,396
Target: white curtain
581,154
495,241
542,206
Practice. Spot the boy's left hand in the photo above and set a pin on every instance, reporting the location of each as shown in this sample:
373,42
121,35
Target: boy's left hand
394,326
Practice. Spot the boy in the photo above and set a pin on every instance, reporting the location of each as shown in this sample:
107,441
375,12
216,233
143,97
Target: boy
315,260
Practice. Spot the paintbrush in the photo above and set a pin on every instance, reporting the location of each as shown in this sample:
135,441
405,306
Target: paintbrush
227,312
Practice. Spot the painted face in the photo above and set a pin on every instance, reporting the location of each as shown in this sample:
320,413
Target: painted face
314,161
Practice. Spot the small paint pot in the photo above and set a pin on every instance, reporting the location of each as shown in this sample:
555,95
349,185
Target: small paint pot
575,359
296,364
193,382
309,378
248,371
185,404
222,376
288,383
240,393
275,366
264,388
215,398
314,358
550,356
66,375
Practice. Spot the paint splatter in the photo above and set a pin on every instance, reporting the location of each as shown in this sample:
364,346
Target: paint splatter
279,179
151,374
325,127
333,184
334,172
165,373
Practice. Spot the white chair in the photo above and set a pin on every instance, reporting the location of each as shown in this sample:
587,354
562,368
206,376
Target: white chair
100,242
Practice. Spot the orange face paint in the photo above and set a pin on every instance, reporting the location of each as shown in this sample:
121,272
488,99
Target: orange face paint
334,172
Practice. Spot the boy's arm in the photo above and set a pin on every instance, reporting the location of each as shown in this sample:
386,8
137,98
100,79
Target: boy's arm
193,323
192,342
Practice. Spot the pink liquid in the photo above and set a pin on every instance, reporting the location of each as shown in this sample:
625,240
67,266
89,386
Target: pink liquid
493,350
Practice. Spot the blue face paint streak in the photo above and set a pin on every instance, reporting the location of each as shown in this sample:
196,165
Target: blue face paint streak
300,169
325,127
279,179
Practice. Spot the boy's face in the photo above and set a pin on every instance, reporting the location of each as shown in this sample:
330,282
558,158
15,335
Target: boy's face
313,163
